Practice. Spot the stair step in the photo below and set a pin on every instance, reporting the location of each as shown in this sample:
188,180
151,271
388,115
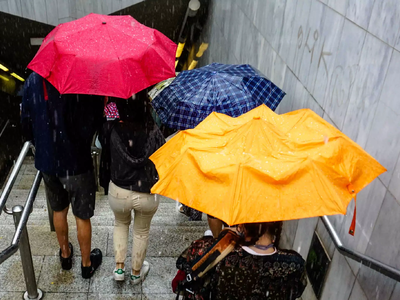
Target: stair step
170,233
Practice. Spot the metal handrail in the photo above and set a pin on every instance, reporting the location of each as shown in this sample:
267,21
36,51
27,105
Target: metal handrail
10,182
363,259
4,127
21,214
10,250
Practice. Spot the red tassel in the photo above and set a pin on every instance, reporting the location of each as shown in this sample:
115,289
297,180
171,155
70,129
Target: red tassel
352,228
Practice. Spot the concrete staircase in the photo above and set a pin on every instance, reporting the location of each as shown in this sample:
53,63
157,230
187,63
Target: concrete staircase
170,234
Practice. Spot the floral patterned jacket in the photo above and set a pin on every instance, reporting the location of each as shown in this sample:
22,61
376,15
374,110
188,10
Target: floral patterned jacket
243,276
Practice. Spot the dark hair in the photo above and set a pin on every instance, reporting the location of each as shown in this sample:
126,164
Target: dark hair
253,231
135,111
130,110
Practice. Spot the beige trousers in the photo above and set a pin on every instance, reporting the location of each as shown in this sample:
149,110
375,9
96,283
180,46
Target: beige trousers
144,205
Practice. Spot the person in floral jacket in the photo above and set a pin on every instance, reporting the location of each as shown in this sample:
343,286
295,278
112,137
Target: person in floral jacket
256,269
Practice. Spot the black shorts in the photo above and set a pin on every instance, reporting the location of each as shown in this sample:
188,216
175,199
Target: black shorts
79,190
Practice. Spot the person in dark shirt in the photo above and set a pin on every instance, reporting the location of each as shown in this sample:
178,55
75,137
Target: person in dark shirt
256,269
61,127
126,147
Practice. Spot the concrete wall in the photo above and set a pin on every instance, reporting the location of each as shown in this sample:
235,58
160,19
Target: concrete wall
340,58
54,12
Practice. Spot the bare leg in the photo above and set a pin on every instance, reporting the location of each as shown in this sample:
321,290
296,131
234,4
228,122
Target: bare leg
215,226
84,228
61,227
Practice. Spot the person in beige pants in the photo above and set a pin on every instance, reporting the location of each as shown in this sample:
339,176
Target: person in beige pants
127,174
144,206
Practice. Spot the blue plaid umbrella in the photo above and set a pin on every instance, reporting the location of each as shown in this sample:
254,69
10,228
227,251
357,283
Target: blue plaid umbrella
228,89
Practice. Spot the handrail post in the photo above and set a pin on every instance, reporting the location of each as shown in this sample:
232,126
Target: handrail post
26,258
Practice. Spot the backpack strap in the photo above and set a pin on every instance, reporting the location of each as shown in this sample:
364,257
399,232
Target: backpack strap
220,249
214,255
46,95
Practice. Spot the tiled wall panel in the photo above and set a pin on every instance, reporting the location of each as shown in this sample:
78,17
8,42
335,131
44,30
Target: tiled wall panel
339,58
54,12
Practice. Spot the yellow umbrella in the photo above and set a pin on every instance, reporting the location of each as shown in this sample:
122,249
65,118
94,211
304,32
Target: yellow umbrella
263,167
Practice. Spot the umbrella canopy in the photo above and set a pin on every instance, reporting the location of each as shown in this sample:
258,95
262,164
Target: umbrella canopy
229,89
263,167
104,55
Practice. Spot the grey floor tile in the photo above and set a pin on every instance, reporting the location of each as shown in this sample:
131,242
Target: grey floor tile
101,197
25,182
99,296
44,242
167,214
5,220
11,274
103,281
178,238
172,240
11,295
162,271
53,279
18,197
6,235
39,216
30,169
65,296
103,221
163,199
159,297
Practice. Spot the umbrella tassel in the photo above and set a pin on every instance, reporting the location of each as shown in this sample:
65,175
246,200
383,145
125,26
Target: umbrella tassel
352,228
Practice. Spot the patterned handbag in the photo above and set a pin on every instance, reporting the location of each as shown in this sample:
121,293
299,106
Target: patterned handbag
193,279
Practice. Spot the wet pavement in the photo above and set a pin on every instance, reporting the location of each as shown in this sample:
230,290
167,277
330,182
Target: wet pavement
170,233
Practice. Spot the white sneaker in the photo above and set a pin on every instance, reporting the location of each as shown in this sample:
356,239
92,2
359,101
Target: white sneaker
136,279
208,233
119,274
179,208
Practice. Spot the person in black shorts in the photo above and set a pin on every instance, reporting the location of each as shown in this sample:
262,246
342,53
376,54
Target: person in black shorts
62,127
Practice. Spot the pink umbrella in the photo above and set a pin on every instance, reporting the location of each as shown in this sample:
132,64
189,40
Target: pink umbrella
104,55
